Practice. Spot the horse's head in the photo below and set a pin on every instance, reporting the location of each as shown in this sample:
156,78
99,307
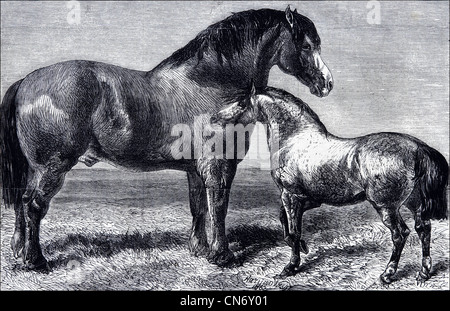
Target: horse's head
243,111
299,54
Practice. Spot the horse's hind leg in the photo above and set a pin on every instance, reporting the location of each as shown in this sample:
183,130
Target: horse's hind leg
391,218
198,243
44,183
284,224
423,229
18,238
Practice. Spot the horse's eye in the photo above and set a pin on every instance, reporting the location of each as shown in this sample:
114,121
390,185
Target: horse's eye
306,47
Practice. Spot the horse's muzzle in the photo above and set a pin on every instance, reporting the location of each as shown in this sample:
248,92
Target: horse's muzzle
322,91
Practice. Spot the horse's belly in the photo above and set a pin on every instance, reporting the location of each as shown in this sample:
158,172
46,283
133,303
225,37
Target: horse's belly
153,161
335,195
334,189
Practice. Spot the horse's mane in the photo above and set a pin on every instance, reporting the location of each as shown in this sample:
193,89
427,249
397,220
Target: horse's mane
284,96
229,36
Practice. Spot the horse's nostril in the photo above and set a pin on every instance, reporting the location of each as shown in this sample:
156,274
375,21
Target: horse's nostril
330,85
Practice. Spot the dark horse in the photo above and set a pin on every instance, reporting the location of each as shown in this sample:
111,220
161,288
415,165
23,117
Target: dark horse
312,167
89,111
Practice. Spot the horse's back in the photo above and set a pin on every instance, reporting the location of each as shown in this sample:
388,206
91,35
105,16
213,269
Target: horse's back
112,113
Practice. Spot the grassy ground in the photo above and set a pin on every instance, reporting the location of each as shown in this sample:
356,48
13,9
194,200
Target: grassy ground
110,230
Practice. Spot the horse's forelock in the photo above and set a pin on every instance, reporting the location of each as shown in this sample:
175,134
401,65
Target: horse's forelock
306,27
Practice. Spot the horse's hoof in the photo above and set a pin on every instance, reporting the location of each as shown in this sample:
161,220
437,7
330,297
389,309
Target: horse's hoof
422,277
281,276
386,279
17,251
223,259
17,245
285,273
289,270
40,265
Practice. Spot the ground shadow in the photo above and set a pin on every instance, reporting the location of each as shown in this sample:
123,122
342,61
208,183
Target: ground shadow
354,251
75,248
410,270
79,246
251,239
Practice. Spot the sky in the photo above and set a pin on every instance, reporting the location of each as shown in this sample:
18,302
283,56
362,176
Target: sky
389,59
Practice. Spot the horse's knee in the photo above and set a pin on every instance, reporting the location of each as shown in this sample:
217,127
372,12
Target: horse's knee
405,232
422,227
399,237
216,182
35,206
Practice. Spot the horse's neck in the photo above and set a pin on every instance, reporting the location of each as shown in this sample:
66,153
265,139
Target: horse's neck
252,64
266,54
286,119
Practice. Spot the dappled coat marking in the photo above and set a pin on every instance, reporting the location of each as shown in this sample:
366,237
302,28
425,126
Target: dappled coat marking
312,167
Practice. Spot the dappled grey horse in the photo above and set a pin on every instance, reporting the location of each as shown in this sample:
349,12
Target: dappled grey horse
312,167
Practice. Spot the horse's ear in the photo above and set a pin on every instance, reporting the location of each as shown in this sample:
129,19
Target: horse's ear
253,90
289,16
230,114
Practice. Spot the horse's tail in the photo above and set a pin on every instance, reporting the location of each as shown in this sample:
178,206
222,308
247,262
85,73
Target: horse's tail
14,165
432,175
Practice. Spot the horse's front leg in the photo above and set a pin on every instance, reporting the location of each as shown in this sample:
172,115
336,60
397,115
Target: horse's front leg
284,224
218,175
291,220
287,238
198,242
